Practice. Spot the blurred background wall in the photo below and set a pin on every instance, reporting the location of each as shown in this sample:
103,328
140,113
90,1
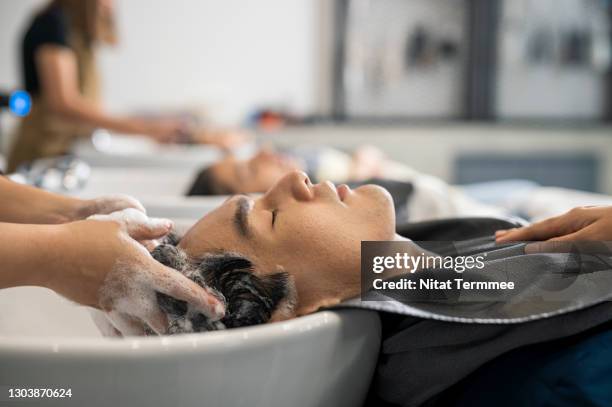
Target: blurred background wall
540,69
224,55
534,59
398,58
553,55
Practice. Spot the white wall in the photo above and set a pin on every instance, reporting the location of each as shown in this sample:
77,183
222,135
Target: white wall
433,149
13,18
232,54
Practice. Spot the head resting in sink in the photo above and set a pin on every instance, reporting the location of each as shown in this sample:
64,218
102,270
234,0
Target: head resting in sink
312,233
250,299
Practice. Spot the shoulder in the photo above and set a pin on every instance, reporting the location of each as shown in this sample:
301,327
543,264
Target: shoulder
50,26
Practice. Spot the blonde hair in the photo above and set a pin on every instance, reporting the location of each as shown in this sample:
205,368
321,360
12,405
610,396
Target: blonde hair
88,21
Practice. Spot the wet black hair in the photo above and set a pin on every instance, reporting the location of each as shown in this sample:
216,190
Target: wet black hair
206,183
250,299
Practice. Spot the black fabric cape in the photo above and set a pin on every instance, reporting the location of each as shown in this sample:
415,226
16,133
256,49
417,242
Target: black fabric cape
420,357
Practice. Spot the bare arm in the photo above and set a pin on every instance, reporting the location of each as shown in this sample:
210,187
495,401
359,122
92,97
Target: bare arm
58,72
18,243
26,204
100,264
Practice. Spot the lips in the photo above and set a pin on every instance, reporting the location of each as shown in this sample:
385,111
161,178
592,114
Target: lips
329,190
343,191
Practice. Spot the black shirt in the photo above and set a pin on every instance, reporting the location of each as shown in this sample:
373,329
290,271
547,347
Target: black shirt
48,27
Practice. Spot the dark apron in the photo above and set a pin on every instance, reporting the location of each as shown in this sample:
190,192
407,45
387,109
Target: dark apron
44,133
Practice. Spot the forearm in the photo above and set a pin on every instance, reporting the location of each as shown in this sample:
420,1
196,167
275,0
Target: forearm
84,111
26,204
71,259
30,254
58,72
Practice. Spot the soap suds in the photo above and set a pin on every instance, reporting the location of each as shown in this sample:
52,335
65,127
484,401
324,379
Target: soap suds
250,299
129,294
140,300
138,225
116,202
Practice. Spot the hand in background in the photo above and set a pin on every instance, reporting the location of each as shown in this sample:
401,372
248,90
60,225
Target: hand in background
167,130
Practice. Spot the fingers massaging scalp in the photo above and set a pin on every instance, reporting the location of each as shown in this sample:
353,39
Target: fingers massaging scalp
241,297
250,299
128,294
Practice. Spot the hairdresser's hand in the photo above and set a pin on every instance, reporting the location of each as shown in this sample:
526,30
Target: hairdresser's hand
106,268
583,224
225,139
167,130
105,205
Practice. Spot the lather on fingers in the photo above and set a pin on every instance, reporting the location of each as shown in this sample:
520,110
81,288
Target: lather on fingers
138,225
169,282
108,204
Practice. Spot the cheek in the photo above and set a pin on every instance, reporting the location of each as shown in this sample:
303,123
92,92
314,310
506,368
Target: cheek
268,173
377,224
261,185
374,215
277,173
321,243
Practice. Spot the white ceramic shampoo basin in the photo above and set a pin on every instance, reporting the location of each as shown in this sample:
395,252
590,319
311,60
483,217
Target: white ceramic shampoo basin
105,150
324,359
161,191
138,182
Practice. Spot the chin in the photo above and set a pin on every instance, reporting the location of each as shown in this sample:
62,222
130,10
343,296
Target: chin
378,194
380,200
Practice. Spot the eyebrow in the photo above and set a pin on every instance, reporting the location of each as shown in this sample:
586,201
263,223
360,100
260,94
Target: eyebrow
241,220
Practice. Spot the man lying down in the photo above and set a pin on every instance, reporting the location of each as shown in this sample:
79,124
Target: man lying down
416,196
296,250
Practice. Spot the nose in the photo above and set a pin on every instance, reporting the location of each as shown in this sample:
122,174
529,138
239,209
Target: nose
294,185
263,156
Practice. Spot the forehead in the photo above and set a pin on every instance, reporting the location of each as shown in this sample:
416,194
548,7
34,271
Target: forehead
224,168
226,162
214,232
231,173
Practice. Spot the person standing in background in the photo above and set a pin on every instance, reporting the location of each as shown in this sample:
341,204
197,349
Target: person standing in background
59,71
